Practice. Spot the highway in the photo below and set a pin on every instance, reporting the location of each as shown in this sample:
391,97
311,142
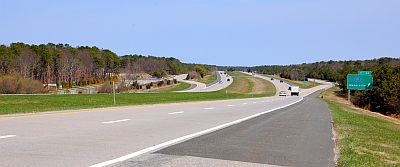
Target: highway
299,135
221,83
121,135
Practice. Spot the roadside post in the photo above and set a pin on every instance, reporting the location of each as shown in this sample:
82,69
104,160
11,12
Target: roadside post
113,85
361,81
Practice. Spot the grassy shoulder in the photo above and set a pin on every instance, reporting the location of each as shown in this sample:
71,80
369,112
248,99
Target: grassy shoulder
208,79
364,138
178,87
297,83
11,104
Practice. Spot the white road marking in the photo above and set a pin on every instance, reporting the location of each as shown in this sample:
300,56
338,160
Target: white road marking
244,103
209,108
184,138
179,112
230,105
262,101
254,102
7,136
110,122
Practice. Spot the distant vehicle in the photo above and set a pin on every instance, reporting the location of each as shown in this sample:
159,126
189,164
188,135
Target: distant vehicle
294,90
282,93
228,79
281,81
272,78
220,81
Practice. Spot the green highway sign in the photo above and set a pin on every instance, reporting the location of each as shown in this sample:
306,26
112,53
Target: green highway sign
359,82
365,72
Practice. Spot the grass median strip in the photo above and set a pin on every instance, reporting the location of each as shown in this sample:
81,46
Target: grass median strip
11,104
364,139
180,86
209,78
301,84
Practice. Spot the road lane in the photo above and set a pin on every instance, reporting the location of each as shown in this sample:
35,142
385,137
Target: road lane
299,135
77,137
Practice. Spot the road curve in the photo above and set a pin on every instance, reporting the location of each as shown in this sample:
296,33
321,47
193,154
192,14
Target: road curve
221,83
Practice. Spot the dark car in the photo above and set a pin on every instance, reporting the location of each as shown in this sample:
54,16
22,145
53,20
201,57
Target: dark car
272,78
228,79
281,81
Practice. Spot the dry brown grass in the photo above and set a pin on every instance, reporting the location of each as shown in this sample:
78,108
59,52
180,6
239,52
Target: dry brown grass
261,86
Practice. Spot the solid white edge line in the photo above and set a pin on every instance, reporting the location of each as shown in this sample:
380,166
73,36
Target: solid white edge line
230,105
179,112
184,138
7,136
209,108
110,122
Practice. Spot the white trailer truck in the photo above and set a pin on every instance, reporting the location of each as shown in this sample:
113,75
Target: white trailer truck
294,90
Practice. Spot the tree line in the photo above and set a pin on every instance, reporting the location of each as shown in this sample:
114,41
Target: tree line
69,66
383,98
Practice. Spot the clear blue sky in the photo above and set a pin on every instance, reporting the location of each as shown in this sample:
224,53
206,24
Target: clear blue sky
223,32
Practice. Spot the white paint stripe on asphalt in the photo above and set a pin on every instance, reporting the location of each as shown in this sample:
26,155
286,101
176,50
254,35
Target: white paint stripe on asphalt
184,138
7,136
110,122
179,112
254,102
244,103
230,105
209,108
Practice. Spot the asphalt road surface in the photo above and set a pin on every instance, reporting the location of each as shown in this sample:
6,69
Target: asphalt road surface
108,136
91,136
299,135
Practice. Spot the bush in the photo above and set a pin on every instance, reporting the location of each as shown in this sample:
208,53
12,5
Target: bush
106,88
193,75
16,84
159,73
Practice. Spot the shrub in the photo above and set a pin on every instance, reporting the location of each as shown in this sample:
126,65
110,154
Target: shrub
159,73
193,75
16,84
106,88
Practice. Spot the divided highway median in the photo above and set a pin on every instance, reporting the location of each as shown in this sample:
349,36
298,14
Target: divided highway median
12,104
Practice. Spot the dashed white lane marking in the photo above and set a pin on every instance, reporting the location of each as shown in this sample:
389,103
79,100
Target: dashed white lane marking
244,103
209,108
254,102
7,136
179,112
110,122
184,138
230,105
262,101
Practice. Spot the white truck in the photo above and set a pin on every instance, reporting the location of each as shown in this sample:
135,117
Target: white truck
294,90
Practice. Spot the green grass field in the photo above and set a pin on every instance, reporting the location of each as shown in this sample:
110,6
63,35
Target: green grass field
36,103
364,139
209,78
178,87
297,83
